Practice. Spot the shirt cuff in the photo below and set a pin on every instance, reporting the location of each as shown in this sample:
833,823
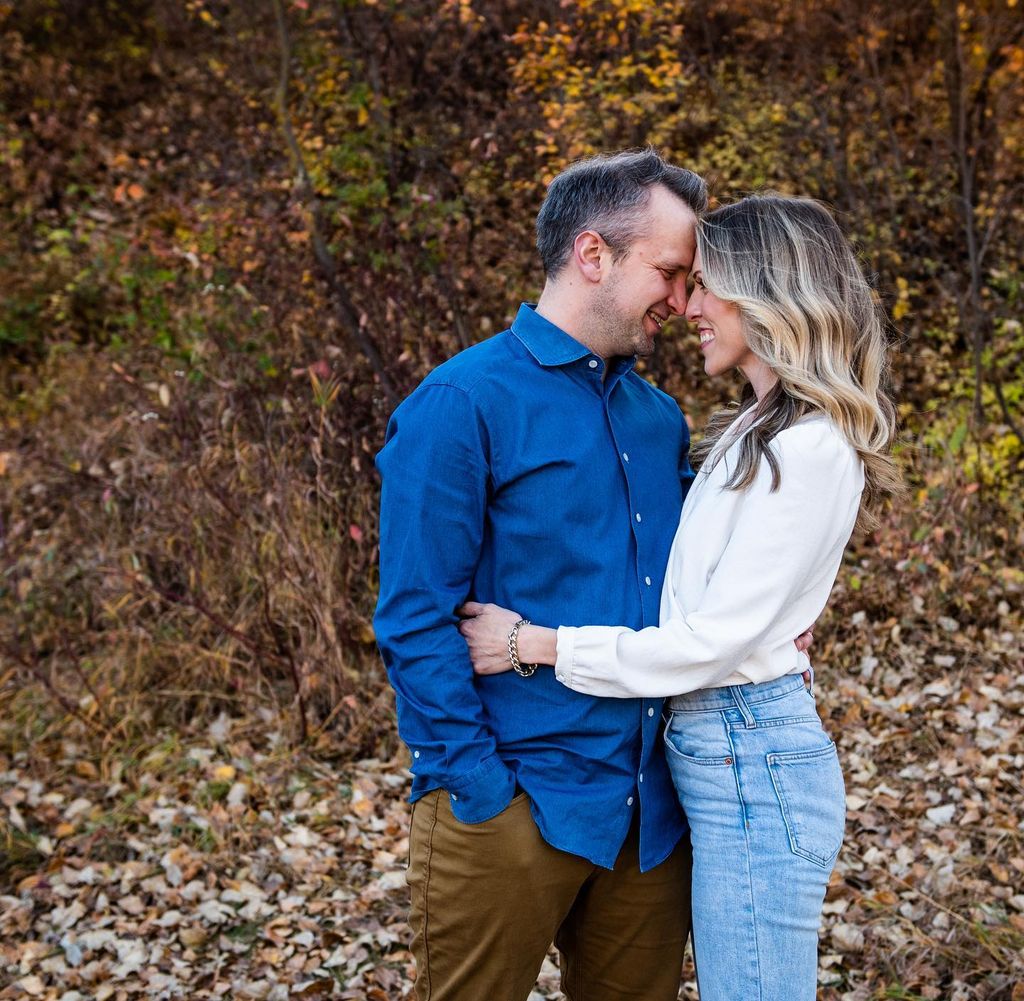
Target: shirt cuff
482,793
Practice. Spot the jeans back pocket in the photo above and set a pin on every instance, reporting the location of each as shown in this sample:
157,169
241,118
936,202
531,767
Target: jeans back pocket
812,796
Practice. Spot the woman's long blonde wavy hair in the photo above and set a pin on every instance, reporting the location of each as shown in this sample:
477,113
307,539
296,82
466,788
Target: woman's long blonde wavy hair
809,315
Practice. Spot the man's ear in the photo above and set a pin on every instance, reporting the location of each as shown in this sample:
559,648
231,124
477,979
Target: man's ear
590,253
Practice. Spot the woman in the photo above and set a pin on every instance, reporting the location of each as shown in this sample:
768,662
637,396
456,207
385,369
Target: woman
783,481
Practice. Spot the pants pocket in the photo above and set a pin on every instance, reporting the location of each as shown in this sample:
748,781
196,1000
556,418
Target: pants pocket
812,797
682,739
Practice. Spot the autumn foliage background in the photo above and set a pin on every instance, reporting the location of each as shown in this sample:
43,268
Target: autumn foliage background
233,235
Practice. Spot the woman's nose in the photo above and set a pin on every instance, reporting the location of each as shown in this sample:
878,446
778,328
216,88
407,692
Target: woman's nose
693,306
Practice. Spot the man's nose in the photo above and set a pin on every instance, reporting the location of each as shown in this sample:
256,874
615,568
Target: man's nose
677,299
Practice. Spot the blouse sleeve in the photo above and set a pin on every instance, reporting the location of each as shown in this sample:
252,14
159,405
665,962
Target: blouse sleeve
771,583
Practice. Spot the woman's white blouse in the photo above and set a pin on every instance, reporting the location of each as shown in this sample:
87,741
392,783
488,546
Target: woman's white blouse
748,572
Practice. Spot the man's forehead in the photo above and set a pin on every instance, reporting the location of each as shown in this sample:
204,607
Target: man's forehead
675,235
674,257
671,237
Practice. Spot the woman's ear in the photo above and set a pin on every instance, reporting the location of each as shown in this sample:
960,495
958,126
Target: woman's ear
590,253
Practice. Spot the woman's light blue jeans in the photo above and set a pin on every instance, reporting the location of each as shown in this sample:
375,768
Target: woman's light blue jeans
761,785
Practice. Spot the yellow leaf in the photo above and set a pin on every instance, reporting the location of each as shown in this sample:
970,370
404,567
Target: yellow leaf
192,937
86,769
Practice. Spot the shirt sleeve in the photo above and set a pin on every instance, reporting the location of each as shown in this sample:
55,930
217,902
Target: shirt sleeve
772,581
435,470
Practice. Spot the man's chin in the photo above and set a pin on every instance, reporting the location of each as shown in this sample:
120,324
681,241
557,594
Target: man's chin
644,346
640,342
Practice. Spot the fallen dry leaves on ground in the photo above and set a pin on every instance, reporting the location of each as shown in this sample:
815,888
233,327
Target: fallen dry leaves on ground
222,864
208,868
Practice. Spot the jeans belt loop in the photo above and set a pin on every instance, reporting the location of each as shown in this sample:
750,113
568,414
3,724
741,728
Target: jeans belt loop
741,704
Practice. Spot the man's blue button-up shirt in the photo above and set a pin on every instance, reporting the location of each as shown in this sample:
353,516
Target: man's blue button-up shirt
520,473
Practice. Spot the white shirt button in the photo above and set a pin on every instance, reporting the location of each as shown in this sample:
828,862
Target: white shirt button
629,802
650,712
641,776
592,363
647,581
638,518
455,798
625,456
415,754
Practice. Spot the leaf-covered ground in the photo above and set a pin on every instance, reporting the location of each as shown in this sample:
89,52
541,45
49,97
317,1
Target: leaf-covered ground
221,863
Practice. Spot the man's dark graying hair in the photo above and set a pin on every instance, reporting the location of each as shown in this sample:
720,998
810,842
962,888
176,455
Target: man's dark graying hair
608,194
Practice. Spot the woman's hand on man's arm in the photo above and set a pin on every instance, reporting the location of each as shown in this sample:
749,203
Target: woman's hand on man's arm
486,629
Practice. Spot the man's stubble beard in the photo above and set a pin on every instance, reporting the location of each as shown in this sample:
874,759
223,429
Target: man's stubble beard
622,332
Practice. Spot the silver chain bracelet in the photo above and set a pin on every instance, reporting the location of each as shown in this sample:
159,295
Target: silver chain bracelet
524,670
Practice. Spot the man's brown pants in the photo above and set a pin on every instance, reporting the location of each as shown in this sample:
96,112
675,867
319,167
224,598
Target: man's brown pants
488,899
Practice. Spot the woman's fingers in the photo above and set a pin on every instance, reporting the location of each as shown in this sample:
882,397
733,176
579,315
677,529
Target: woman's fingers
485,628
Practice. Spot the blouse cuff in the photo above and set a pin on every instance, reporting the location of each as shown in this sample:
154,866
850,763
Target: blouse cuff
565,645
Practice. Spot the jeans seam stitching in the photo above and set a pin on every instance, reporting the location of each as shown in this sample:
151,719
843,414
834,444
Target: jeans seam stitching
783,721
747,854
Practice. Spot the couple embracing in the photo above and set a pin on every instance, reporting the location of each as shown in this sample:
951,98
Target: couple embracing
603,688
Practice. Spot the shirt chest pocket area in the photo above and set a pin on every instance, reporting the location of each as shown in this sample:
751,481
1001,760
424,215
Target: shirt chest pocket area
544,493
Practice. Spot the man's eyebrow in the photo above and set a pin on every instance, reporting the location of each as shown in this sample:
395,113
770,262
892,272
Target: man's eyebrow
673,266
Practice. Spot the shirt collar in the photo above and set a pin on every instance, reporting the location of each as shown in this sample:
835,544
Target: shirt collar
549,345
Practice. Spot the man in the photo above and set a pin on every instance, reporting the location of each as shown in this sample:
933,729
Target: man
538,471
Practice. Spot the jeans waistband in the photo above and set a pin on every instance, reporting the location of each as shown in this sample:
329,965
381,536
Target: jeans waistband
734,696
